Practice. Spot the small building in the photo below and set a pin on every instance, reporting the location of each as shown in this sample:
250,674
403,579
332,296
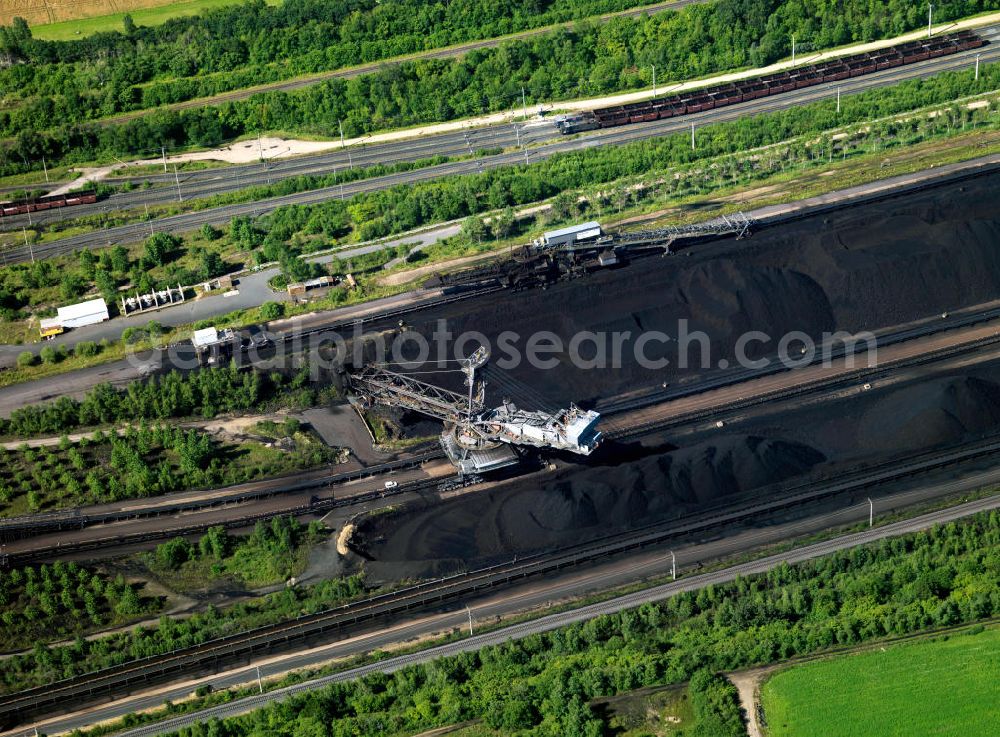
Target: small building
570,235
207,337
84,313
50,327
224,282
211,344
297,289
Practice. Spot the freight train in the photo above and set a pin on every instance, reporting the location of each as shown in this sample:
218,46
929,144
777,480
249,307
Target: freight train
709,98
48,202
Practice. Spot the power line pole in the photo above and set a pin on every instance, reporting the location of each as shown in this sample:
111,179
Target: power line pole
28,243
163,153
871,513
692,136
838,99
524,104
260,683
793,48
470,620
930,18
177,180
46,168
673,566
977,76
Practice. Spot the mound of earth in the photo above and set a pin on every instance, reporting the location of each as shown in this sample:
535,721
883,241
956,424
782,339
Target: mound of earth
582,503
931,414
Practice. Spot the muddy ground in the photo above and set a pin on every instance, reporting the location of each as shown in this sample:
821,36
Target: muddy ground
864,268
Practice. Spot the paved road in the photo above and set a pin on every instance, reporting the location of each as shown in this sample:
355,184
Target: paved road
74,384
543,593
612,136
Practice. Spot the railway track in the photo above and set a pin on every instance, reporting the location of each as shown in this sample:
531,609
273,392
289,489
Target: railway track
30,526
120,539
610,136
311,629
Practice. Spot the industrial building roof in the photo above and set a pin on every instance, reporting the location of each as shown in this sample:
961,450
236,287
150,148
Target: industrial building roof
205,336
83,313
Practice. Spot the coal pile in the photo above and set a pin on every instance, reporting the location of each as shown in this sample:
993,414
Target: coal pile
867,267
947,410
581,503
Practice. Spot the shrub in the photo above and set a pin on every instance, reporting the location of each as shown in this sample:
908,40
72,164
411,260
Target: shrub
271,310
174,553
86,348
210,232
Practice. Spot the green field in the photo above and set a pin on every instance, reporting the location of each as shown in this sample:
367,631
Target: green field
79,28
935,687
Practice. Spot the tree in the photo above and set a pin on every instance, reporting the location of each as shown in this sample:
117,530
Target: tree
211,266
25,359
474,228
214,543
106,285
243,233
160,247
88,262
129,603
119,260
564,205
71,286
502,223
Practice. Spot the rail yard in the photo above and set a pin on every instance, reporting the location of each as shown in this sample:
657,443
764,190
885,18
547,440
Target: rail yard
643,432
